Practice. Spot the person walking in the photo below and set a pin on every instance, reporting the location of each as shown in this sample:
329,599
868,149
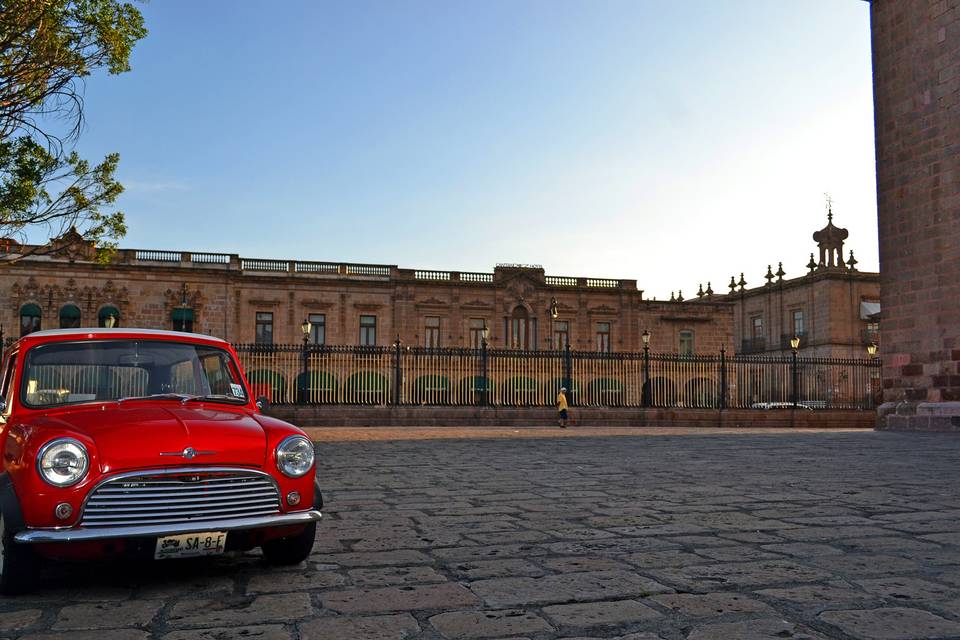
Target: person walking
562,407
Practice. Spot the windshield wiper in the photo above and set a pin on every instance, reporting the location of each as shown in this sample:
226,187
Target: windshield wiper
182,397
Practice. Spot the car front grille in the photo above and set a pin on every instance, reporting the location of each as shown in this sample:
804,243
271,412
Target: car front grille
180,496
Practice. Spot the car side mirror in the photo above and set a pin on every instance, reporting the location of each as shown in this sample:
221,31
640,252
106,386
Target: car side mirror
263,403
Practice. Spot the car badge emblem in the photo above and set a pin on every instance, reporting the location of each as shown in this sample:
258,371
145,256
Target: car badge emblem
189,453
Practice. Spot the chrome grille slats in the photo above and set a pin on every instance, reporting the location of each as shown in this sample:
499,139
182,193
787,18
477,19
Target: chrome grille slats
184,495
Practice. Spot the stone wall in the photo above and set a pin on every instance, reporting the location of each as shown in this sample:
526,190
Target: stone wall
916,62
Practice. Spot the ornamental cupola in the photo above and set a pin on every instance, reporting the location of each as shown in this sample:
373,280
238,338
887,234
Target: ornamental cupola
830,240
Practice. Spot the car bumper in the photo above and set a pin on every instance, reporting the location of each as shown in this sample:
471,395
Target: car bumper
80,534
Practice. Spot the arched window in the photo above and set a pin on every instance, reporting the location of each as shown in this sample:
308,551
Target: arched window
519,328
104,315
69,316
29,319
183,319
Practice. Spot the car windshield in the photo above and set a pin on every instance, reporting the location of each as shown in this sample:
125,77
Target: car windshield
104,370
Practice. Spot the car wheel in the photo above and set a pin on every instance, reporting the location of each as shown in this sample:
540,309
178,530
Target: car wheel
292,549
17,566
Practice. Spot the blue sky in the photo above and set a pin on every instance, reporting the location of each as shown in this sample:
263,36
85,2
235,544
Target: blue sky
669,142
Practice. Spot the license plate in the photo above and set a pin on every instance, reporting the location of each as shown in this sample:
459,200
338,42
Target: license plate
189,545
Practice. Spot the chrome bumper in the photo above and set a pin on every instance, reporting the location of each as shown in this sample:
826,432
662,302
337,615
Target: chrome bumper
79,534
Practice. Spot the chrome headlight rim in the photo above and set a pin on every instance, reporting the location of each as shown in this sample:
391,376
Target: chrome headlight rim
76,478
281,452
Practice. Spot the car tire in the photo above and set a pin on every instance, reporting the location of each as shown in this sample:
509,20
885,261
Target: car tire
291,549
17,564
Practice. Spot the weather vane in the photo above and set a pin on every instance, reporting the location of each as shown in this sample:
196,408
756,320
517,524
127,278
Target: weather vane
829,206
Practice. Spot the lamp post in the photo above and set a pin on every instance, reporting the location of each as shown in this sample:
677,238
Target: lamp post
554,308
645,394
305,328
794,345
485,393
874,374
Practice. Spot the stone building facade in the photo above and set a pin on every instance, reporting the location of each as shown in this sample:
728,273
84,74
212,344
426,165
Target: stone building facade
251,300
257,300
916,79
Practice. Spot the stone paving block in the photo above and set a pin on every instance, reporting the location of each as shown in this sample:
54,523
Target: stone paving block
251,632
739,553
908,590
387,576
381,558
612,547
457,625
103,634
407,541
669,558
107,615
192,584
892,545
283,582
754,537
467,554
591,585
762,629
230,612
573,564
712,604
854,565
740,574
952,537
817,595
894,623
507,537
803,549
496,569
389,627
827,534
17,620
583,615
406,598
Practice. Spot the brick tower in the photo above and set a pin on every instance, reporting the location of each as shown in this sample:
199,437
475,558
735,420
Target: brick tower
916,78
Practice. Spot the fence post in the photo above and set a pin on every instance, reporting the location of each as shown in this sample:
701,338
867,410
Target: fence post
304,374
397,373
568,373
646,392
723,377
485,392
794,379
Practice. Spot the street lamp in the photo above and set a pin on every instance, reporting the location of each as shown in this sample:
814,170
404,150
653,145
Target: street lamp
872,349
110,321
645,393
484,335
794,345
305,328
554,309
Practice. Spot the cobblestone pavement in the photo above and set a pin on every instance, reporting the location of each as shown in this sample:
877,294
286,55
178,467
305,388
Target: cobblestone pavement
696,537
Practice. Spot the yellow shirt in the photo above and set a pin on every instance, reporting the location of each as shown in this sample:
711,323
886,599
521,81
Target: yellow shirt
561,401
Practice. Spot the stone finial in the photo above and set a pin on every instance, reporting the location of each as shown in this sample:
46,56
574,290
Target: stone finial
733,284
830,240
742,283
700,292
769,275
672,297
852,262
680,296
780,272
812,265
709,289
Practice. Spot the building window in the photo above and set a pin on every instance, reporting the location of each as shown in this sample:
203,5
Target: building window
603,337
798,327
431,332
561,334
519,325
477,325
69,317
29,319
104,315
686,343
757,322
264,334
182,318
368,331
318,328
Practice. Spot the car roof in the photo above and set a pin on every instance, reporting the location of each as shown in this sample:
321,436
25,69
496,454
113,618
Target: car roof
99,333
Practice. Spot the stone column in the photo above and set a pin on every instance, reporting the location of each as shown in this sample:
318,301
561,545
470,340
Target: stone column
916,77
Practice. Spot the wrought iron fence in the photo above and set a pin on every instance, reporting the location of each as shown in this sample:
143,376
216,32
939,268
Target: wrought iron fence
400,375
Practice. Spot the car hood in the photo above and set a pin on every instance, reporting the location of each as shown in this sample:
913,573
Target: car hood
132,436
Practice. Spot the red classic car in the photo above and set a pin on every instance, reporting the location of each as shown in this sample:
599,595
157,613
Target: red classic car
147,443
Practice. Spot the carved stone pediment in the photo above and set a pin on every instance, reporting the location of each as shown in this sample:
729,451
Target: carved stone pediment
72,246
367,306
263,302
602,310
479,305
313,303
434,303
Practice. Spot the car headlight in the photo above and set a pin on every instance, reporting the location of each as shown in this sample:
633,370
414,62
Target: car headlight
295,456
63,462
